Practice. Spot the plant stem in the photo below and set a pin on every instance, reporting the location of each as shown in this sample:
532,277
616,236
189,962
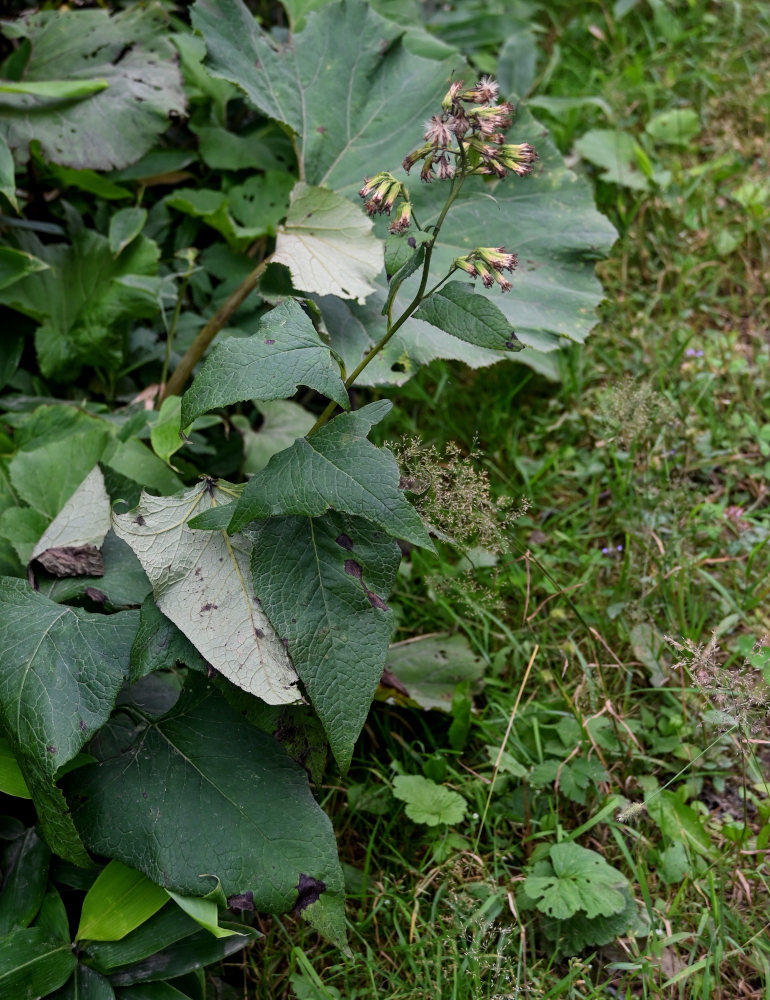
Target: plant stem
393,328
195,351
171,333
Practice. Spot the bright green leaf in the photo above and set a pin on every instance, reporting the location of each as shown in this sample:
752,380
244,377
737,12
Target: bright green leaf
582,881
117,903
677,127
22,526
262,201
323,583
284,353
165,433
201,581
203,911
47,477
58,90
337,468
11,779
427,802
615,153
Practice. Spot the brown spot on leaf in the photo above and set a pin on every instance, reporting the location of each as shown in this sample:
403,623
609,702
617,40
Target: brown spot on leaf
140,521
209,607
95,595
321,129
259,633
389,680
309,891
345,541
269,340
353,569
51,749
72,560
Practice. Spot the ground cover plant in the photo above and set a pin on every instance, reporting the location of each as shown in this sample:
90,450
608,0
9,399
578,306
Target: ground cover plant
555,590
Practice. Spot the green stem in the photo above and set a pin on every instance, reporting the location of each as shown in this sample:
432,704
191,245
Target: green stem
171,332
195,351
393,328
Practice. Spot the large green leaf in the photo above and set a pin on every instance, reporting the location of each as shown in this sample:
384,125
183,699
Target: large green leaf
130,58
33,964
327,244
201,581
323,582
62,670
344,84
200,795
80,301
456,308
336,468
283,353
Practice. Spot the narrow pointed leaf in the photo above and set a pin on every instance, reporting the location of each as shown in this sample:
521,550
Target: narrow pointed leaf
200,795
203,911
117,903
32,964
15,265
284,353
337,468
25,876
327,245
201,582
323,583
86,984
62,670
457,309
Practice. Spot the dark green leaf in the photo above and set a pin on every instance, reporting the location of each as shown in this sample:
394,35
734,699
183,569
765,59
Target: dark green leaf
11,347
167,926
62,670
284,353
125,226
400,248
7,174
406,270
138,86
25,876
344,83
200,792
151,991
15,265
52,916
32,964
337,468
86,984
262,201
195,952
458,310
159,644
323,583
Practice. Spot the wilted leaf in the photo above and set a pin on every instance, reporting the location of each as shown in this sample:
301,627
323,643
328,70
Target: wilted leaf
62,670
323,582
70,545
132,86
337,468
430,667
201,795
327,245
201,581
284,353
427,802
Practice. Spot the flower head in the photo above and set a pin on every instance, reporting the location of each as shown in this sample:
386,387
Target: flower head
485,91
438,131
452,95
381,192
402,219
498,258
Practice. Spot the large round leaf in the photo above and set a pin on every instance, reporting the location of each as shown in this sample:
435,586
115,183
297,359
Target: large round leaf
200,795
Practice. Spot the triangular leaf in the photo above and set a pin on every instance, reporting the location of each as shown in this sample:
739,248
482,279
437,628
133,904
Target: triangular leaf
201,581
284,353
336,468
70,545
323,583
201,795
327,245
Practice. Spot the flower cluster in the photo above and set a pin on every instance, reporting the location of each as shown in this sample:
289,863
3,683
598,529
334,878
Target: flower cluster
489,264
380,194
484,123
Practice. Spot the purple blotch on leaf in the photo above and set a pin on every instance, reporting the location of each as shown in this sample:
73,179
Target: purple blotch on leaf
345,541
269,340
352,568
140,521
259,633
209,607
412,242
309,890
